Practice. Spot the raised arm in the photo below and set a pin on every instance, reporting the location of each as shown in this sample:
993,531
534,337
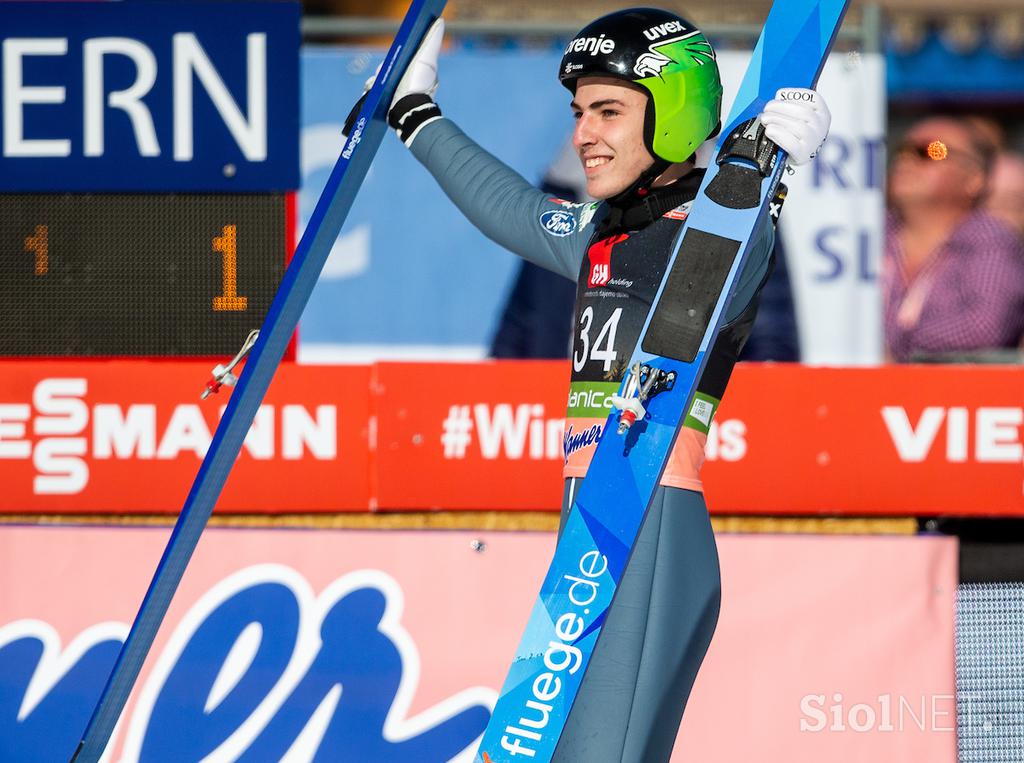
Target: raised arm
505,207
496,199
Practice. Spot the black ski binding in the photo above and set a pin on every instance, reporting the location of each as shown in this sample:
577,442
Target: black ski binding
747,157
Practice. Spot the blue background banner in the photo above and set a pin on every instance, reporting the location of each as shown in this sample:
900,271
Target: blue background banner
410,277
155,96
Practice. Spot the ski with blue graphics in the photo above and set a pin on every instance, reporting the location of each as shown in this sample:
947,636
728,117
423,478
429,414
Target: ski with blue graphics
369,129
597,540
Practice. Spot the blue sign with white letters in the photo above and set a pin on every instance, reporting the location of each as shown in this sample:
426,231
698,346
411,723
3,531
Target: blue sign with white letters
155,96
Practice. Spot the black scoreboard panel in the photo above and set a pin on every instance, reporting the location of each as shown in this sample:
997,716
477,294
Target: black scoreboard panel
113,275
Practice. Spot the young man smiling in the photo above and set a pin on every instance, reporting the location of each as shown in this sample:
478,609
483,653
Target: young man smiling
646,94
609,117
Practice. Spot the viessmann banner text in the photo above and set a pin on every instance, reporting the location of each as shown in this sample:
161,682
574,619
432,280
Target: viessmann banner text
162,96
908,440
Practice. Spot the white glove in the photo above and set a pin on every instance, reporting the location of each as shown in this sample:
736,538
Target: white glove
797,120
420,81
421,76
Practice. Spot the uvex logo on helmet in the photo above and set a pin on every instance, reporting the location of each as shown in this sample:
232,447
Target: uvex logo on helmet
657,32
591,45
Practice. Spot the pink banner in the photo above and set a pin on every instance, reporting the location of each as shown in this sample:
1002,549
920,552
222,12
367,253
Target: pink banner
390,645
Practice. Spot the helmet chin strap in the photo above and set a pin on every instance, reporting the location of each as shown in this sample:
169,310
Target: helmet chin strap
641,204
641,186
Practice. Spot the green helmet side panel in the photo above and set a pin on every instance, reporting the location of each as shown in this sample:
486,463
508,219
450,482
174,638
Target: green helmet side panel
687,95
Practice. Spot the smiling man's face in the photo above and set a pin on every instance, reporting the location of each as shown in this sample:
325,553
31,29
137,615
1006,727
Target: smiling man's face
609,134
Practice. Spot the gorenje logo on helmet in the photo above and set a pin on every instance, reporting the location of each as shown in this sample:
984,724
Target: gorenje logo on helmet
651,63
591,45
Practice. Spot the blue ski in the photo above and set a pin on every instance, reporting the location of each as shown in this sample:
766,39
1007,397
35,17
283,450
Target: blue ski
324,225
665,367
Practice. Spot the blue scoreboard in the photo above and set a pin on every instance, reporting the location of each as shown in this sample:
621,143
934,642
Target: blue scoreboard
148,155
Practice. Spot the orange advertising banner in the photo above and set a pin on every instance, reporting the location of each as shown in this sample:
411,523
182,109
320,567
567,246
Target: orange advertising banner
128,436
895,440
788,439
470,436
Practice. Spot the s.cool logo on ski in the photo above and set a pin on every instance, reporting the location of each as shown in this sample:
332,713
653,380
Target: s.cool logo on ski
796,95
260,668
558,223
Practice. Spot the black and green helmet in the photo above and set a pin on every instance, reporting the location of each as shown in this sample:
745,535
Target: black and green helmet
667,56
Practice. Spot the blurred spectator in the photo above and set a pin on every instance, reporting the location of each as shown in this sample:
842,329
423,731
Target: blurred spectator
1005,198
953,276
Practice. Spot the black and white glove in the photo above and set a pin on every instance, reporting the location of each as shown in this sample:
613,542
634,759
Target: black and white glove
797,120
413,106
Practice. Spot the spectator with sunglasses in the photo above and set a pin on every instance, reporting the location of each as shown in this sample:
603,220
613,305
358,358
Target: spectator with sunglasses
952,275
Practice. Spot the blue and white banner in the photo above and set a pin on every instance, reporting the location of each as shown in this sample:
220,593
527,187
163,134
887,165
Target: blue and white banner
155,96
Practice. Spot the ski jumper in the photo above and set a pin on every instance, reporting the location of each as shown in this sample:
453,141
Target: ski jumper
660,624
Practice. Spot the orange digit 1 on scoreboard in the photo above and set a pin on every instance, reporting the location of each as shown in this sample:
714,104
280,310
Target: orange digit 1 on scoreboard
227,244
39,244
139,274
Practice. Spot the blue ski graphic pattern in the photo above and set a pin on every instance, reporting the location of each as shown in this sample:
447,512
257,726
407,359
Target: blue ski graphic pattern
607,514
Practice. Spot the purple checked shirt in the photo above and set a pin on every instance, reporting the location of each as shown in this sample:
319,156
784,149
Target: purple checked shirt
969,295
